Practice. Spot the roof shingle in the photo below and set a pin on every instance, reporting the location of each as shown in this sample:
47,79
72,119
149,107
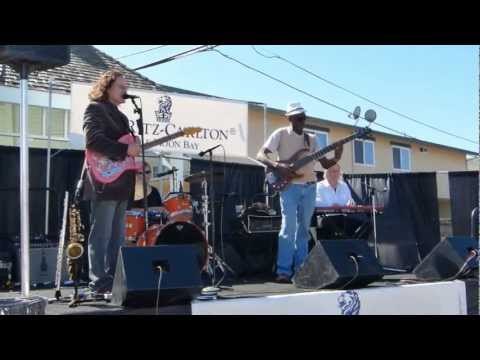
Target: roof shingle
86,65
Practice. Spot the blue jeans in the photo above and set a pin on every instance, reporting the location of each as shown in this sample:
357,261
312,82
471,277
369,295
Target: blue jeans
298,203
107,235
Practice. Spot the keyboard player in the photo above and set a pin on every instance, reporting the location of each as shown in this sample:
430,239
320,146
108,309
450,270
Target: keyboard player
335,193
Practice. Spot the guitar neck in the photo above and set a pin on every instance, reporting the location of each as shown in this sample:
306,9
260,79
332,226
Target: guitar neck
163,140
317,155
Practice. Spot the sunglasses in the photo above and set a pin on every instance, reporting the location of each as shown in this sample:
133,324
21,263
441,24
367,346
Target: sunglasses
298,118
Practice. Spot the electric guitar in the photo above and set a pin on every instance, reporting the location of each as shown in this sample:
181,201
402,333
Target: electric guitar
106,171
296,162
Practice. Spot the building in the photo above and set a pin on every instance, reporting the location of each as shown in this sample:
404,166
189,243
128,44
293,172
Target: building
383,154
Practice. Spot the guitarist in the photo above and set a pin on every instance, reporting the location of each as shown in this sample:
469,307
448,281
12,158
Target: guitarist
297,200
103,125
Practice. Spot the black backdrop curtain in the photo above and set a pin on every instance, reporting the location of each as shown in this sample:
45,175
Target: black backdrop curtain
409,227
242,184
65,171
463,199
406,232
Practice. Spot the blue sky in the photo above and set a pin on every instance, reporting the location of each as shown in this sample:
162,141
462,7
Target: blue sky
438,85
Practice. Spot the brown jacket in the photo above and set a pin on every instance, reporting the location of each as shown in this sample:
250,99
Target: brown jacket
103,125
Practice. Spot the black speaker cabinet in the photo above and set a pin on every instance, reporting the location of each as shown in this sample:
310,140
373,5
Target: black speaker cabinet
38,57
338,264
136,282
446,259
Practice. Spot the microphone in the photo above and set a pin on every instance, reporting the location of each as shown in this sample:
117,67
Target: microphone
169,172
202,153
128,96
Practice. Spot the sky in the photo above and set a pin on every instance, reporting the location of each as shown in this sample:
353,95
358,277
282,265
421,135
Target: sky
437,85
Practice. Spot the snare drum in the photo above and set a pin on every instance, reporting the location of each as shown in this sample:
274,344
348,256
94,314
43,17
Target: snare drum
179,207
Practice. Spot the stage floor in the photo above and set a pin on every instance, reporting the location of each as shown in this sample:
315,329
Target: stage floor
252,288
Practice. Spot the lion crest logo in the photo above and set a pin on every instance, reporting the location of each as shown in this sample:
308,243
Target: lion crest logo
349,303
164,112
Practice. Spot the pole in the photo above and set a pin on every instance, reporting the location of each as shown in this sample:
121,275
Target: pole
267,199
24,184
138,110
49,128
212,209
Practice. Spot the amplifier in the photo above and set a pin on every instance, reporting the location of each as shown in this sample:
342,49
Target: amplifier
43,264
262,224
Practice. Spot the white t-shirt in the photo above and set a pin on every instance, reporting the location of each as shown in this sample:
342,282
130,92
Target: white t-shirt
327,195
286,142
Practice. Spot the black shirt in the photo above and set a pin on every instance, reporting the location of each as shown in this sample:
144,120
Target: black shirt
104,124
153,199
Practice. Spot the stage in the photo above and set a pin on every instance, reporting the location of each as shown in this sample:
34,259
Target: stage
394,295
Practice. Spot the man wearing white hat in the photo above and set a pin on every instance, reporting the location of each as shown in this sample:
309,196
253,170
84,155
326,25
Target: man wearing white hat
297,200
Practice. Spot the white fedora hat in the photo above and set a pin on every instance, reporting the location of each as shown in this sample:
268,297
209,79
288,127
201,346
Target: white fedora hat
294,108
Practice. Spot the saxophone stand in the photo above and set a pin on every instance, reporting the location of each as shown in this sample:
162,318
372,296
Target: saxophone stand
81,298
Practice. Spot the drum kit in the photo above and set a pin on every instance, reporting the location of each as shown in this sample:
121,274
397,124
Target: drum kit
174,224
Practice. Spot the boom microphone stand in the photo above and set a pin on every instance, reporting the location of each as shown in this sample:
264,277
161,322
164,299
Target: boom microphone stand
139,111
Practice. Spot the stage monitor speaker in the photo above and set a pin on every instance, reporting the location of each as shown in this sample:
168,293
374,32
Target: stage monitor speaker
447,258
136,282
338,264
38,57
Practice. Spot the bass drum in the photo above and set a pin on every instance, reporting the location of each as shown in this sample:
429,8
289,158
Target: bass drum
178,233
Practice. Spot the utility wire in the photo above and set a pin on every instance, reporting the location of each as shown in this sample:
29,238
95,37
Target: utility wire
141,52
177,56
360,96
310,95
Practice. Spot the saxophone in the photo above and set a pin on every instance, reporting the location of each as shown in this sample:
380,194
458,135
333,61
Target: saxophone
75,248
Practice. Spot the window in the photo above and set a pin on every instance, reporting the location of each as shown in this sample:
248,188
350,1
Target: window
401,158
58,124
321,137
8,122
37,121
364,152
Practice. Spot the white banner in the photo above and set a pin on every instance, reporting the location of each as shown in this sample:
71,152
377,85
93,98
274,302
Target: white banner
441,298
222,121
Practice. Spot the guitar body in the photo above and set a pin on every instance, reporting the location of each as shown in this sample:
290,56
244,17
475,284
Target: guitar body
105,170
299,160
278,182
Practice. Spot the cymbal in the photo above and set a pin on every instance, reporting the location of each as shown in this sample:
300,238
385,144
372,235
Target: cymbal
198,177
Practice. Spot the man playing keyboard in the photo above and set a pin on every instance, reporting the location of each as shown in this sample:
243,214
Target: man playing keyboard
335,193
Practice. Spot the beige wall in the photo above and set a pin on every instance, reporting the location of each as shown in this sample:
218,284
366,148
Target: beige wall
435,158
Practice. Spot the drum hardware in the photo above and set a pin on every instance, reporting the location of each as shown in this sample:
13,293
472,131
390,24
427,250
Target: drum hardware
208,197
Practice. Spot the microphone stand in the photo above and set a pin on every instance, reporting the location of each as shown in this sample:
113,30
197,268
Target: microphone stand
139,111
